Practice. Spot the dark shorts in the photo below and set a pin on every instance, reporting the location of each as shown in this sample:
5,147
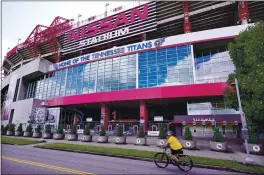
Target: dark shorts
178,151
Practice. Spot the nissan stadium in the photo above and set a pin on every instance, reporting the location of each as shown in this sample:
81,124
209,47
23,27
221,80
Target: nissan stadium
157,63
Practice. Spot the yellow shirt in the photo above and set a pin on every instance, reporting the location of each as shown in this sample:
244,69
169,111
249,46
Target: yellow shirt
174,143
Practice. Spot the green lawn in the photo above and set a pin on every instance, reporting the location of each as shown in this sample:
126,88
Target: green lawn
18,141
150,154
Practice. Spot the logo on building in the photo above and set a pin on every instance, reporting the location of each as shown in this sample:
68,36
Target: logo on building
55,66
159,42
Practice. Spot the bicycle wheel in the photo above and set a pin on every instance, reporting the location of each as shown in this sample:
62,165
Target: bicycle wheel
184,163
161,160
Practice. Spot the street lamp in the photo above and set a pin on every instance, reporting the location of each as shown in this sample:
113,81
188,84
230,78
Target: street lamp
248,160
79,15
106,5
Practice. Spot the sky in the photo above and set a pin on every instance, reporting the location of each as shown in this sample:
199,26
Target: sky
20,18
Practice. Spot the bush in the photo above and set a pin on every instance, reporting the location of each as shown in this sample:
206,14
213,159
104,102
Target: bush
141,133
38,129
59,129
86,130
4,129
218,137
11,127
102,131
187,133
29,128
47,129
119,131
73,130
162,132
252,138
19,128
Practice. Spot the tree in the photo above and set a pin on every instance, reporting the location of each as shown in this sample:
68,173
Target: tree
188,133
102,132
87,130
162,132
247,54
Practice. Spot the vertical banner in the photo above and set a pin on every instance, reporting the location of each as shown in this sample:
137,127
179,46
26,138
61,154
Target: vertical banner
53,115
39,115
9,97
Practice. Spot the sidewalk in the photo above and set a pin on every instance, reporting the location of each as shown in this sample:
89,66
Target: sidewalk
235,156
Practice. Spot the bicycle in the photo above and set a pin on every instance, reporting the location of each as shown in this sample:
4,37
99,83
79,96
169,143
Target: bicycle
167,158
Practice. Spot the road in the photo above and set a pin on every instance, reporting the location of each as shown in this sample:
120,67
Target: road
28,160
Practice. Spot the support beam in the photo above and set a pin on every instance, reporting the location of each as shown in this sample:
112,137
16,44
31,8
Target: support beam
186,18
9,62
20,55
243,12
197,12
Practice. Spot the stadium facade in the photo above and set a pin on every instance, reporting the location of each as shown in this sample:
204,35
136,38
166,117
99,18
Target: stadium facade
159,63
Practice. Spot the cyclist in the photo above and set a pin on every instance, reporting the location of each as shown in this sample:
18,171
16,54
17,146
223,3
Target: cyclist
174,144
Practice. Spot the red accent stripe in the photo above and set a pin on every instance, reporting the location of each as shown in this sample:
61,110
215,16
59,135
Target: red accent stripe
182,91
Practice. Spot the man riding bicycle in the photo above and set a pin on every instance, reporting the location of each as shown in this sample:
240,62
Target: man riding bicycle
174,144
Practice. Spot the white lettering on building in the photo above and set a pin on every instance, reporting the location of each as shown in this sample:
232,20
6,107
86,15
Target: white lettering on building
105,36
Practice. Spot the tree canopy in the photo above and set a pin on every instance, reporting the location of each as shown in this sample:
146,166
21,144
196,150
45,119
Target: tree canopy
247,54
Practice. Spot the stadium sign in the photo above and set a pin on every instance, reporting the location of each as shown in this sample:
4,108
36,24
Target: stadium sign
105,36
108,24
129,23
114,52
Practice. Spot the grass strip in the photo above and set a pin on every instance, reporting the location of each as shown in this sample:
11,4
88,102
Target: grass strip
150,154
17,141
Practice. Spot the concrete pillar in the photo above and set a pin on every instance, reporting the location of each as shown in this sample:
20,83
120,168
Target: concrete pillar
144,115
105,115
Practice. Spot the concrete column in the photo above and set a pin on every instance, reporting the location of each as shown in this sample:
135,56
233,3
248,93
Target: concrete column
144,115
105,115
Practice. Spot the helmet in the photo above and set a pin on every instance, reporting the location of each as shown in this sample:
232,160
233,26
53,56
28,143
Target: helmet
169,133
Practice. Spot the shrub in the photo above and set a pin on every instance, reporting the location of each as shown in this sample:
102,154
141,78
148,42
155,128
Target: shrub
38,129
119,131
162,132
47,129
59,129
11,127
4,129
187,133
29,128
19,128
141,133
252,138
87,130
73,130
102,131
218,137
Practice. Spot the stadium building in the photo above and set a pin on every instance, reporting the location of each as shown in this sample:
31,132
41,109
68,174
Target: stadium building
158,63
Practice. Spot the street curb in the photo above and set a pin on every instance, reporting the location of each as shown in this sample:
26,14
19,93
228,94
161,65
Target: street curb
149,160
7,143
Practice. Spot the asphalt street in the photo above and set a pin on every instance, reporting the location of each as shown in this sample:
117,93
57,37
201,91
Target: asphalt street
28,160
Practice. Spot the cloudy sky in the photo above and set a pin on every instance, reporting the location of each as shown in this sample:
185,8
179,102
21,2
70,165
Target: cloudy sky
20,18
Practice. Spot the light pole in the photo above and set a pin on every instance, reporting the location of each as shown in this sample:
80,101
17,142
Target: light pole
79,15
106,5
248,160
